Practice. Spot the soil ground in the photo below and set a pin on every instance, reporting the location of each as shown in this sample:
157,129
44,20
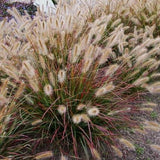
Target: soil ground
143,141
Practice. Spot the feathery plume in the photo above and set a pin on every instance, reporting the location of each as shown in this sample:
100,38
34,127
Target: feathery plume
94,111
85,118
42,155
134,73
77,118
20,90
42,46
76,53
150,104
141,59
3,100
36,122
95,154
136,21
48,90
148,62
81,106
115,23
111,70
104,57
151,125
6,159
3,88
141,81
155,65
155,75
140,131
127,143
34,85
146,109
29,99
86,65
118,111
153,88
60,60
105,89
117,151
52,79
50,56
42,62
29,70
63,157
61,76
62,109
11,71
155,147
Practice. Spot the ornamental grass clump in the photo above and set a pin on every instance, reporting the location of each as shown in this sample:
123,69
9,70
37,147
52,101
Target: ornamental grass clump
9,117
80,72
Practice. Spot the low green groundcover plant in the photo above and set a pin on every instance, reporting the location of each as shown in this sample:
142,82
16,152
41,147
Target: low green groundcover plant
73,79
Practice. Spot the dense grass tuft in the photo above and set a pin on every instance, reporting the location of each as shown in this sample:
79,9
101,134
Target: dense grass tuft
76,77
